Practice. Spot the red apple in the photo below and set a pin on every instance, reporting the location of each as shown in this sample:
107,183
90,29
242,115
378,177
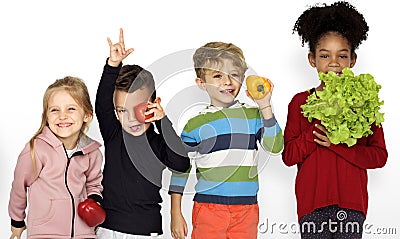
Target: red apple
91,212
139,112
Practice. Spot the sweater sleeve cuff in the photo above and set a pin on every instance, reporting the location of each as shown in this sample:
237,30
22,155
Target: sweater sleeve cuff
96,197
175,189
111,68
269,122
17,224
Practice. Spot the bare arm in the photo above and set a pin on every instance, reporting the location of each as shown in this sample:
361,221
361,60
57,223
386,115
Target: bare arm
179,227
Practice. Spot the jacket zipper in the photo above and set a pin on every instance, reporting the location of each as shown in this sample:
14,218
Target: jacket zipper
70,194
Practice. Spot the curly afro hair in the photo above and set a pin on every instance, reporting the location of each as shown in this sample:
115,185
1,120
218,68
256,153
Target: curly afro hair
340,17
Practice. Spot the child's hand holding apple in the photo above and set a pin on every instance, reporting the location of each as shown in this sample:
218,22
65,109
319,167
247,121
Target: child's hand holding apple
147,112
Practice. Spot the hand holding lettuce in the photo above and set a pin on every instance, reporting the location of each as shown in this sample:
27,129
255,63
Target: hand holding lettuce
347,106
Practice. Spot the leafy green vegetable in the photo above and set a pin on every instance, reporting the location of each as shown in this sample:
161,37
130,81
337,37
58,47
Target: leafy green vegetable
347,106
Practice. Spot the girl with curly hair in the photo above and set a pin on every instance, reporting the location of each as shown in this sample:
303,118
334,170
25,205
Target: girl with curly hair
331,182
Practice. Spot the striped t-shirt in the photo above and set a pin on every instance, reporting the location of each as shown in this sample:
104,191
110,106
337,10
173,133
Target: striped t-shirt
222,143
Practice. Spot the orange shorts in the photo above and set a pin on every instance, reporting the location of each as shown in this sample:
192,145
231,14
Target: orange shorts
224,221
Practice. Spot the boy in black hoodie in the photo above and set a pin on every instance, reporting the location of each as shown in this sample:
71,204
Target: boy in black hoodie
135,155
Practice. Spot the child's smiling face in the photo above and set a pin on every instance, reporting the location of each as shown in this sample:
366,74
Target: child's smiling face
65,117
332,53
222,83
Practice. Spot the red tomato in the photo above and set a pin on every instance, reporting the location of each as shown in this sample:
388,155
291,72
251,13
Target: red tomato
139,112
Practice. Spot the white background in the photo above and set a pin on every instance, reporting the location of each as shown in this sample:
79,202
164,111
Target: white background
45,40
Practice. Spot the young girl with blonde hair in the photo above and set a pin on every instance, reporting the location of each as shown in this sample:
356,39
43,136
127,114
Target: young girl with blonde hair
59,167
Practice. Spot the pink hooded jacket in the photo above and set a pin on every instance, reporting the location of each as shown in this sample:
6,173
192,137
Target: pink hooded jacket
62,183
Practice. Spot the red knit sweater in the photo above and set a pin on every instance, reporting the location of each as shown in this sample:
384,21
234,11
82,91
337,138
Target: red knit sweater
335,175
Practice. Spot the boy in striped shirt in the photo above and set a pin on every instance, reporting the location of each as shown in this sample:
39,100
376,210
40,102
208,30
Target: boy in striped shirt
222,143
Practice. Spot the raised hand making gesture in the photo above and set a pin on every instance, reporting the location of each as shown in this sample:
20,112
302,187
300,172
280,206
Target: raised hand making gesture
117,50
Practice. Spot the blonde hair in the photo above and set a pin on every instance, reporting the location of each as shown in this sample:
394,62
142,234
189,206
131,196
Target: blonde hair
77,89
212,54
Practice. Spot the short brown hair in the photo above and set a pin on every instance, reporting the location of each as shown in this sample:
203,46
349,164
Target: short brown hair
212,53
134,77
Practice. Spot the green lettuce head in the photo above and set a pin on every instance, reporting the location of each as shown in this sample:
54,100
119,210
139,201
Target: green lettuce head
347,106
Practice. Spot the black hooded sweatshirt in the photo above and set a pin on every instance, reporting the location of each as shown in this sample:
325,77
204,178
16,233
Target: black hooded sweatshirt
133,165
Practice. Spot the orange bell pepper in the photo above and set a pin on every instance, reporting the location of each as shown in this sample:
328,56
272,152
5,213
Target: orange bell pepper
257,86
